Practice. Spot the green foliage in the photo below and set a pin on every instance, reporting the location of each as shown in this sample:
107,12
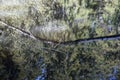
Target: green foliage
116,18
20,55
83,61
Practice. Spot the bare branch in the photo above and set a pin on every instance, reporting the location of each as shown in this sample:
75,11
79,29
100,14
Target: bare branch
103,38
18,30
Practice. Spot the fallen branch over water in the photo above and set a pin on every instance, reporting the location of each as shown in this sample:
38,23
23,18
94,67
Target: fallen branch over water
18,30
103,38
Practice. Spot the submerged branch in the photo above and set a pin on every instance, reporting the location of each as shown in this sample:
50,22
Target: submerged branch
54,50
